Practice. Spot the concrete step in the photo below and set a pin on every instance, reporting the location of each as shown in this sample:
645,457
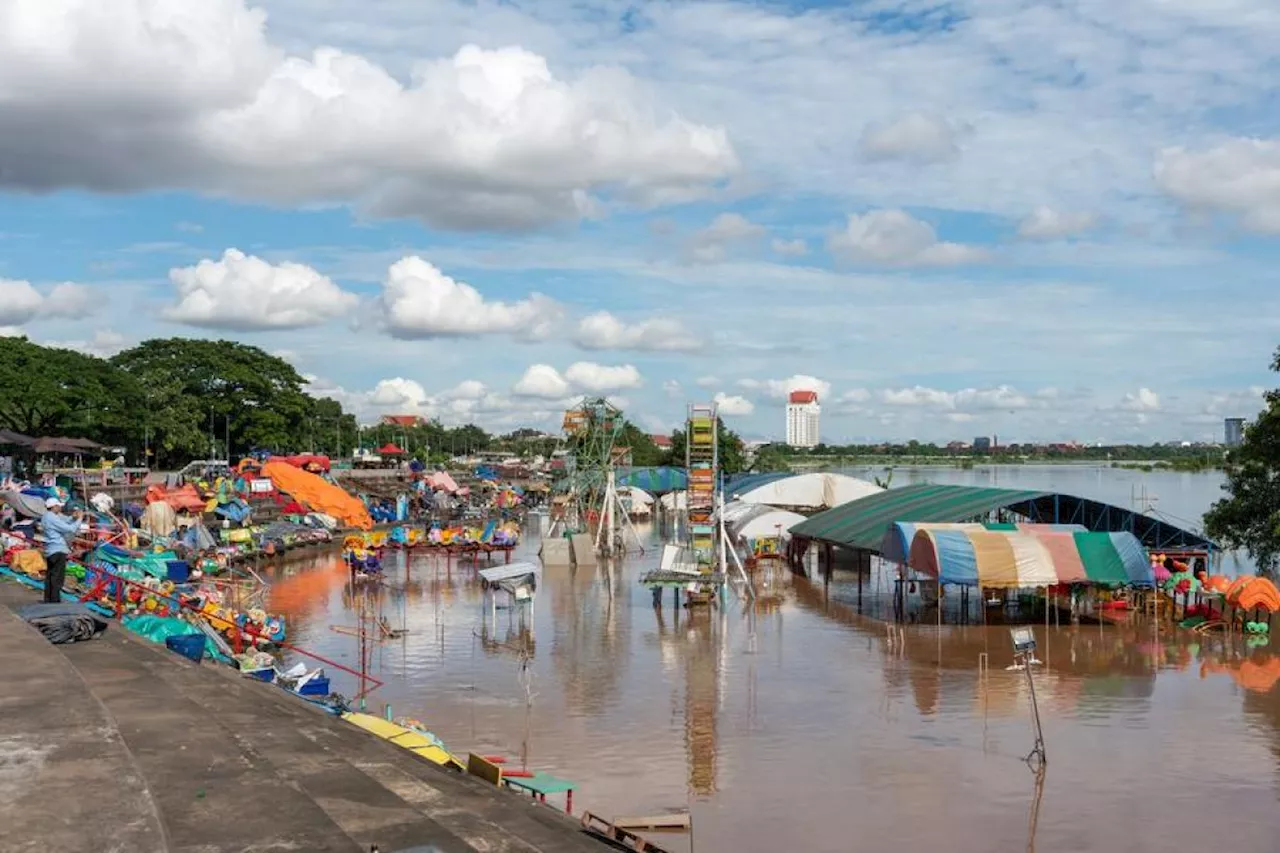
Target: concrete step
186,757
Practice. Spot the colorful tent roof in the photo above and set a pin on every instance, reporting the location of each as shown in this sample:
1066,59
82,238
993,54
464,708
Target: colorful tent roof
1029,558
896,544
389,449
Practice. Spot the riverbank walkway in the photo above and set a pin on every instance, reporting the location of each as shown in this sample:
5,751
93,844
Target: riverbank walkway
118,746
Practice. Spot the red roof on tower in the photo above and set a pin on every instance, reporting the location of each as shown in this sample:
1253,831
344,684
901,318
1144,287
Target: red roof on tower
804,397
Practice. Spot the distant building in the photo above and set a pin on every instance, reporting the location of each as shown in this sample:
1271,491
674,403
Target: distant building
660,441
803,415
403,420
1233,432
982,444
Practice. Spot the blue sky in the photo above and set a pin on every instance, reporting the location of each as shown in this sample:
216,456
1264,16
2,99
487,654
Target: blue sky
1045,222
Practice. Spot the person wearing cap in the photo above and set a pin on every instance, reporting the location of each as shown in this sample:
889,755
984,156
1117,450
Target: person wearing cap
59,529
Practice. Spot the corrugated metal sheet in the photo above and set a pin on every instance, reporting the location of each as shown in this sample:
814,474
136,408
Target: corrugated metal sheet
862,523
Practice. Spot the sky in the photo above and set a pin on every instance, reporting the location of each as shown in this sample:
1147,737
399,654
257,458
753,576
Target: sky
1044,221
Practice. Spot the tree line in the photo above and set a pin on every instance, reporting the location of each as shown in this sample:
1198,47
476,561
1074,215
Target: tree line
169,401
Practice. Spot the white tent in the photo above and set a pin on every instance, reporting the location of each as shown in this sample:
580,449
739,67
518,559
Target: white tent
808,491
638,502
762,522
635,495
675,501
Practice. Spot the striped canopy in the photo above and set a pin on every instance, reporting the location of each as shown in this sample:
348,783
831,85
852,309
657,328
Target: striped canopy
1029,558
897,539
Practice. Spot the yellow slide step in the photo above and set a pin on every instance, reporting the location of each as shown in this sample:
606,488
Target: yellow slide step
415,742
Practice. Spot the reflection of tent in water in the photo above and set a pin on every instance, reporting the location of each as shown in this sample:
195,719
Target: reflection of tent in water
297,595
518,580
1258,673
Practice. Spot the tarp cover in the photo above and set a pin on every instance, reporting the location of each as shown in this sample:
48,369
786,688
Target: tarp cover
23,504
441,481
318,494
969,556
766,523
657,481
803,491
182,498
898,538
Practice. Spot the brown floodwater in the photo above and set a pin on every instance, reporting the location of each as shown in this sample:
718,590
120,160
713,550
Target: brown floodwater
798,725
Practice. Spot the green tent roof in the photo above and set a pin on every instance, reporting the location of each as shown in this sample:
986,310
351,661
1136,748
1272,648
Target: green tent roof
861,523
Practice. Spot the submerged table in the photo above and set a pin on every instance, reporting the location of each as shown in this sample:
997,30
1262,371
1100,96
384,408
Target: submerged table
540,784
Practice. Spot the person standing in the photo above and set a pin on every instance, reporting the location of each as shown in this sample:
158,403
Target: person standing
59,530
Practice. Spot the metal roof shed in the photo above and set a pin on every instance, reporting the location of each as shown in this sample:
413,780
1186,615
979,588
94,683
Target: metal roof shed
861,524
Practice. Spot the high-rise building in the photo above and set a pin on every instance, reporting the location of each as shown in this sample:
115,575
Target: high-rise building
1233,432
803,413
982,444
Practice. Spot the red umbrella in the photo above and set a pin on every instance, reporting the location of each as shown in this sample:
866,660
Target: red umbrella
389,450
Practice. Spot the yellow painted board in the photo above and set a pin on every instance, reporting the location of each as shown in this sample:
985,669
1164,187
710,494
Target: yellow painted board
438,756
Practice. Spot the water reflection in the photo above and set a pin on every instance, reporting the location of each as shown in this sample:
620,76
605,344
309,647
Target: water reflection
795,721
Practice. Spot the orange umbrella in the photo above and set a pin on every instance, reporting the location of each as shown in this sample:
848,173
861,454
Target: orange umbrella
1237,586
1259,592
1217,583
1259,674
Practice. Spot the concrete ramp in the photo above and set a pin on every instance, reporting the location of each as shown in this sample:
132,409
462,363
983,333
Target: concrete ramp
584,549
556,551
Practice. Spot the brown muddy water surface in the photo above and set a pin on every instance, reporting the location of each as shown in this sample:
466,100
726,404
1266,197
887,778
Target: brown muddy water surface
799,726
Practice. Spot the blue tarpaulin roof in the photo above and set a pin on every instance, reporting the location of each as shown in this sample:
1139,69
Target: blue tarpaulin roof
656,480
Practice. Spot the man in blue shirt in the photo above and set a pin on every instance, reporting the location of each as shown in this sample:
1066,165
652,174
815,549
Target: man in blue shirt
59,530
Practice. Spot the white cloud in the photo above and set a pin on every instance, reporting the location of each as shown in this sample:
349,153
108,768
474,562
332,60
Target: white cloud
733,405
599,378
104,344
778,389
602,330
727,232
69,301
1045,223
914,137
582,377
19,302
1003,397
468,389
542,380
673,389
896,238
1144,400
420,301
243,292
790,248
706,381
193,95
1239,177
398,396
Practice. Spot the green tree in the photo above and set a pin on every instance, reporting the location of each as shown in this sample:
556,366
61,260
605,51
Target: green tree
644,453
771,458
198,391
58,392
1249,517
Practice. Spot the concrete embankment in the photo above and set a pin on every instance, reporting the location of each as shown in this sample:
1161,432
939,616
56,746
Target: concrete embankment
119,745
